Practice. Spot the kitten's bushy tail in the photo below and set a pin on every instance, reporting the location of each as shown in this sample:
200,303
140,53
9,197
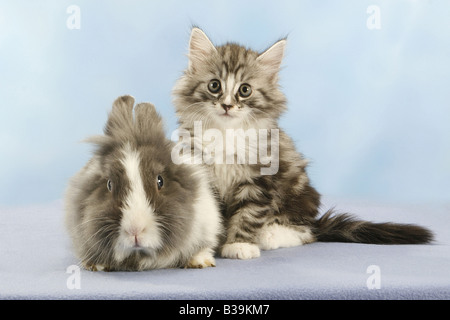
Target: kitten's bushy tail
332,227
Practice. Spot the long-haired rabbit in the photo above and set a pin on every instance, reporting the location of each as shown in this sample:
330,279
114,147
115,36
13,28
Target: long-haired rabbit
132,208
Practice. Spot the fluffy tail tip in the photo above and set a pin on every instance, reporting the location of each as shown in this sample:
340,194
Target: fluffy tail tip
333,227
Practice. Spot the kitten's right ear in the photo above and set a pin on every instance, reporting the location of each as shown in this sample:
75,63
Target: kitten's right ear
200,48
272,57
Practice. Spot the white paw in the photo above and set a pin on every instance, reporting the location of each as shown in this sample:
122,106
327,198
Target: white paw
268,241
240,250
276,236
202,259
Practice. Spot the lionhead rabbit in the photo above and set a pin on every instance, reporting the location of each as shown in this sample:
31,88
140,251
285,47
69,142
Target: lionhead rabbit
132,208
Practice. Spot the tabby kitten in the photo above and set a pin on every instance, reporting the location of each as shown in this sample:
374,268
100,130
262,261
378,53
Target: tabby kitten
231,87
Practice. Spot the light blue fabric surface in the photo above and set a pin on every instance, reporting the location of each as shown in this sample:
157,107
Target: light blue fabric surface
35,254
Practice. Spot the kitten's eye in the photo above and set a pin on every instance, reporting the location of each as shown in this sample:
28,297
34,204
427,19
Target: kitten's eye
245,90
214,86
159,182
109,185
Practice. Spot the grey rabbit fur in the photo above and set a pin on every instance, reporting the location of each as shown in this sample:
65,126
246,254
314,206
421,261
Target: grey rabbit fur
131,208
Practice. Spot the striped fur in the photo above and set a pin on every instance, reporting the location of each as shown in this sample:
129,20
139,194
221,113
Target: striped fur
262,211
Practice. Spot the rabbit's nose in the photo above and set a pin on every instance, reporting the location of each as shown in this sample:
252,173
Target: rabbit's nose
135,231
137,240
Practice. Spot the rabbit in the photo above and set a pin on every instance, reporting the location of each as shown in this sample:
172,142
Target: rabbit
131,208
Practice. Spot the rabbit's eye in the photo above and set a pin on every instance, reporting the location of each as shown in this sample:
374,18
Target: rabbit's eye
159,182
109,185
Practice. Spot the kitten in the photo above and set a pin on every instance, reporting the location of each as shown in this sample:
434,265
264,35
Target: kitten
230,88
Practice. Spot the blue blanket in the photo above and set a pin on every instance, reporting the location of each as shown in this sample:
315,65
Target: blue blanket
37,263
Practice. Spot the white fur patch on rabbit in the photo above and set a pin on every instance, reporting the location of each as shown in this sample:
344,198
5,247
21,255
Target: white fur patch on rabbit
139,227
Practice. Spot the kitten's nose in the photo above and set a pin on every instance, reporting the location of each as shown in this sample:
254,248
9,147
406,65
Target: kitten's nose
226,107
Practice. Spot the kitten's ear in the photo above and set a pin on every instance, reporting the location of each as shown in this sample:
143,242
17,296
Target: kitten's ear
200,48
272,57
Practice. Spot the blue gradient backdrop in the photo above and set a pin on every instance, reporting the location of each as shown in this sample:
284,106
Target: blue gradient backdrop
370,108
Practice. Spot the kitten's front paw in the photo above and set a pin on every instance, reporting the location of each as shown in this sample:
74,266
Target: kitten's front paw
240,250
201,260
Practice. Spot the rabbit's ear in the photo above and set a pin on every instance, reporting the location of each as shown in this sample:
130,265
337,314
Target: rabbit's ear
120,120
148,122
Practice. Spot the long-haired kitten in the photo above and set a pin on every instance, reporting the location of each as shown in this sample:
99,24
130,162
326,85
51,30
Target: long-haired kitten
229,101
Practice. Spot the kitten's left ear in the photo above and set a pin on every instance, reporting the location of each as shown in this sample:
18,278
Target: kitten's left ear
200,48
272,57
